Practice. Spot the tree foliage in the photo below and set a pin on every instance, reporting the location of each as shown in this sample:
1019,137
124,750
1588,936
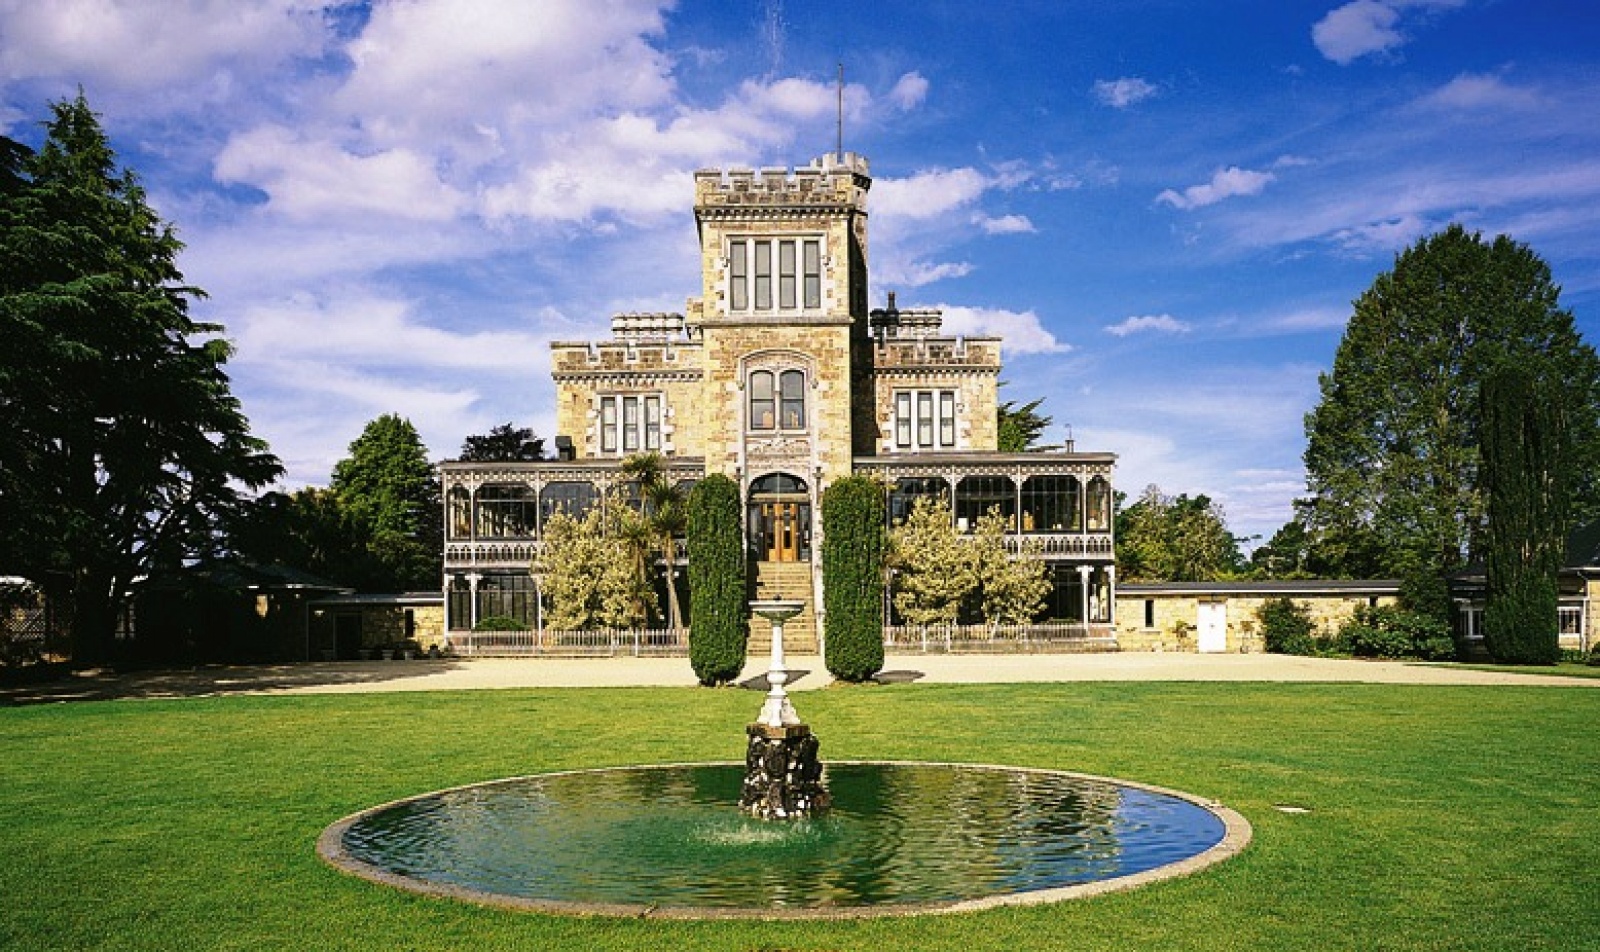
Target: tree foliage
852,577
591,569
506,443
1524,475
1019,429
934,573
1180,538
943,577
664,507
309,529
719,629
391,490
1392,456
123,445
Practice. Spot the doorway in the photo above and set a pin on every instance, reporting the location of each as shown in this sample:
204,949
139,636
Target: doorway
780,519
1212,634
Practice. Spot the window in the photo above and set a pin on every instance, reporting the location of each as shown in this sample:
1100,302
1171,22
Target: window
813,274
573,498
1149,613
608,424
786,276
1050,504
905,492
929,414
767,274
460,522
777,400
763,275
976,495
738,276
1570,618
792,390
505,512
630,422
652,423
761,403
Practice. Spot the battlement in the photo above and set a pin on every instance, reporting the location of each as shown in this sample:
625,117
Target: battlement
830,180
647,327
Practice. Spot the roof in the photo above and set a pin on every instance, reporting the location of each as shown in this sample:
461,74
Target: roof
396,600
1267,587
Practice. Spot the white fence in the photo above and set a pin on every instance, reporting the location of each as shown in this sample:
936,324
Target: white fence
649,642
977,639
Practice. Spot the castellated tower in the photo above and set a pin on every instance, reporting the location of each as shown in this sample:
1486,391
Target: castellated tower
782,317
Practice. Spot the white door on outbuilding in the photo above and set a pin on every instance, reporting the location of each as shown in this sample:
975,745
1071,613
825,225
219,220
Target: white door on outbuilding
1212,633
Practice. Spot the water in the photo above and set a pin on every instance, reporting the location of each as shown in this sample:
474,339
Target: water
898,834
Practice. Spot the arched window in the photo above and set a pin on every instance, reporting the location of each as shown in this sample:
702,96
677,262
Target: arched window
976,495
792,391
460,522
763,409
1099,505
505,512
908,489
1050,504
573,498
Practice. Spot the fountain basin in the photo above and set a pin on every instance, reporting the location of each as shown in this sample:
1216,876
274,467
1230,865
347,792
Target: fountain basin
901,838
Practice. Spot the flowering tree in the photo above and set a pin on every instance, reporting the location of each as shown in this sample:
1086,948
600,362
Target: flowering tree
591,569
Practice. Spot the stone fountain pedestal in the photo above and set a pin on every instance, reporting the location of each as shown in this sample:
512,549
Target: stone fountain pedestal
782,774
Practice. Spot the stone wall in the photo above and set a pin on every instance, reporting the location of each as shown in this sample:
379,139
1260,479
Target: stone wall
1176,618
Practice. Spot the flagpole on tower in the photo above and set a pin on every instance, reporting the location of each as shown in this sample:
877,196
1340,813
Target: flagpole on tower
840,154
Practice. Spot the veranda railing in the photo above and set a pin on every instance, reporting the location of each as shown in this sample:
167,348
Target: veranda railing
956,639
643,642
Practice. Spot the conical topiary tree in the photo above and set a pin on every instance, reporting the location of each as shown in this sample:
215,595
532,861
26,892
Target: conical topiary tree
853,543
719,627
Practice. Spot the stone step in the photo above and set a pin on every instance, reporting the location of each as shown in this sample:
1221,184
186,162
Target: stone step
788,581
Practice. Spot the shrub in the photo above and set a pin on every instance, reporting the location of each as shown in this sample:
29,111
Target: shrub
1594,657
1286,627
499,623
719,627
1388,632
853,544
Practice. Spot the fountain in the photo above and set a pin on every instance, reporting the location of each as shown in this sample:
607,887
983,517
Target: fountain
879,839
783,777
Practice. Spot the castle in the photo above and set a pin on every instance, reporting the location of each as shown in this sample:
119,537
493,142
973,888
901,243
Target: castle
779,376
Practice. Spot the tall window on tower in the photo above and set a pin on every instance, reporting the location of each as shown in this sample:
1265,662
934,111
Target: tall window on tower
630,423
925,419
777,400
767,275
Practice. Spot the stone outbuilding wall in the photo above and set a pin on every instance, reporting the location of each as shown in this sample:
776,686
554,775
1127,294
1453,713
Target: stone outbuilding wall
1215,617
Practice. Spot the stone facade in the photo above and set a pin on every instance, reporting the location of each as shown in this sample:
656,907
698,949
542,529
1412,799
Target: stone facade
778,375
1181,616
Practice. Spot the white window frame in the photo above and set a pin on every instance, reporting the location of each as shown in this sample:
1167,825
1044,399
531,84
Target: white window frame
925,419
774,274
630,422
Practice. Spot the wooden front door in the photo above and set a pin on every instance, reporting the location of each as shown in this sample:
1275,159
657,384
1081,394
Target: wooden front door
781,530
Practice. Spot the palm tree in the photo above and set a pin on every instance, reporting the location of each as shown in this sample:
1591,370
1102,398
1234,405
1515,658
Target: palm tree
665,512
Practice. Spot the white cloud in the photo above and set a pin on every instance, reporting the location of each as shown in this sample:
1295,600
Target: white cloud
1390,235
927,194
1150,323
1021,331
1122,93
1469,92
1225,183
310,179
909,91
915,274
1357,29
1367,27
1005,225
136,48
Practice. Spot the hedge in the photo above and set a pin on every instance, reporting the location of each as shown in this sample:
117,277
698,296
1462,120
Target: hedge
719,628
853,544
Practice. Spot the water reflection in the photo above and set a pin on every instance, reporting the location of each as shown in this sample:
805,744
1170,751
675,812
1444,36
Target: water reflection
673,836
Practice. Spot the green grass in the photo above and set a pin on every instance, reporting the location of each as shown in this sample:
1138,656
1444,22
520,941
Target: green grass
1566,669
1441,817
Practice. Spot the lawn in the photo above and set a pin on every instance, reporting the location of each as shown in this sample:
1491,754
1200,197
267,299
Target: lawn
1439,817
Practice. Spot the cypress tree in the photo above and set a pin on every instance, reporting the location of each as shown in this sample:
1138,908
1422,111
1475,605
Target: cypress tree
719,628
1524,457
853,544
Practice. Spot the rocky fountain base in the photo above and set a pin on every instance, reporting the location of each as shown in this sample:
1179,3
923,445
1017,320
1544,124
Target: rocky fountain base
782,775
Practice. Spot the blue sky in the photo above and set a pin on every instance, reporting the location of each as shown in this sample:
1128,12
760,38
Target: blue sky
1165,207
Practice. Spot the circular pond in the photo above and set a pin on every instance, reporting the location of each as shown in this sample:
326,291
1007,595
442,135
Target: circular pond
668,840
